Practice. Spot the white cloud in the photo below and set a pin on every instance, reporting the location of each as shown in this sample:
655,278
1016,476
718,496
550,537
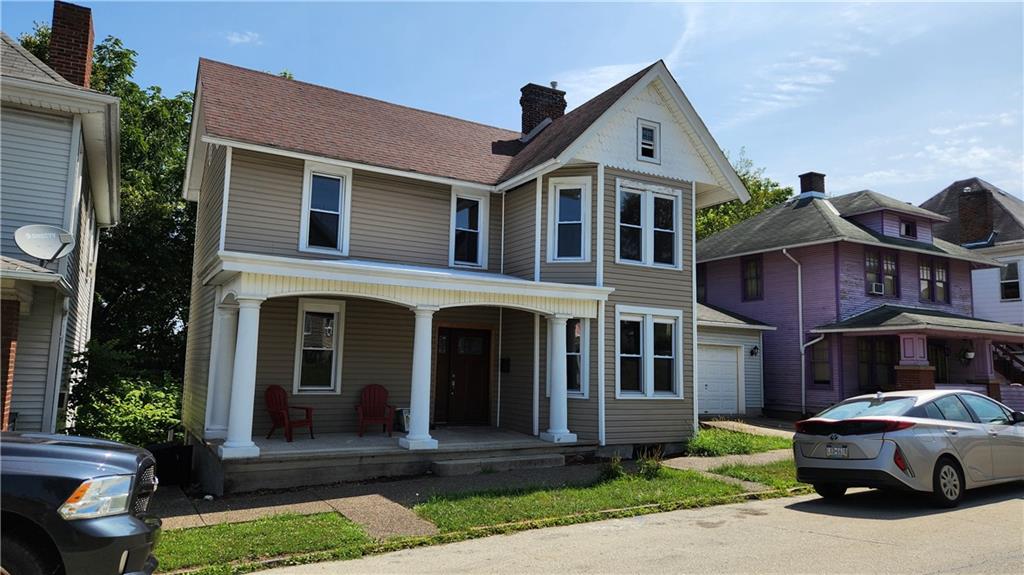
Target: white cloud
790,83
1004,119
583,84
246,37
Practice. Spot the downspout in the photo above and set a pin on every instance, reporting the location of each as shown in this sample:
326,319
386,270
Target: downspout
501,315
800,324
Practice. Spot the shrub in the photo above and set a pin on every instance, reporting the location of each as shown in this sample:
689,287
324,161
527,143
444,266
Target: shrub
648,465
132,411
613,469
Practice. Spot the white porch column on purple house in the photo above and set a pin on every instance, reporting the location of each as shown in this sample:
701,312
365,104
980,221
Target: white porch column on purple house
239,443
419,396
558,407
914,372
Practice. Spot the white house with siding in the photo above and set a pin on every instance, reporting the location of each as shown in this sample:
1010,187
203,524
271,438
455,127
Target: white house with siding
58,166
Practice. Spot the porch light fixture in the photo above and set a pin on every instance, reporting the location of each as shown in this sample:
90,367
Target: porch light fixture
754,351
966,354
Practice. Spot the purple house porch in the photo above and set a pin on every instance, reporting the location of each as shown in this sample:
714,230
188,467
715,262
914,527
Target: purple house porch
863,297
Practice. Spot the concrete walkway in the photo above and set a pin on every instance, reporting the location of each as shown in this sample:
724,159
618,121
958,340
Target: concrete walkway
754,426
704,465
381,507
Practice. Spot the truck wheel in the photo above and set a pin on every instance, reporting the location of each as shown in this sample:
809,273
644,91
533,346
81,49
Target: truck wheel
17,558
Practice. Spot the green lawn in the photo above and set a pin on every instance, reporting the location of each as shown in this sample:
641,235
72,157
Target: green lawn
278,535
456,513
714,442
778,475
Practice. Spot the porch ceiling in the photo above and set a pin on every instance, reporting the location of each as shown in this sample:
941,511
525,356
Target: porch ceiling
899,319
260,276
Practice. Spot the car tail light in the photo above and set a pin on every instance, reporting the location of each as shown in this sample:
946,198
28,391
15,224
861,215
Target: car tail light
889,425
901,461
856,426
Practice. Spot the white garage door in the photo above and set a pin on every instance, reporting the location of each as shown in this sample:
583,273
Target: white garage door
718,377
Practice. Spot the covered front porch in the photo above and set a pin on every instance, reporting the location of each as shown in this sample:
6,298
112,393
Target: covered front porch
894,347
458,352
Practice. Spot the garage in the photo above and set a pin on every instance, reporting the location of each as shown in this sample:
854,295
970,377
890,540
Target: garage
729,370
718,371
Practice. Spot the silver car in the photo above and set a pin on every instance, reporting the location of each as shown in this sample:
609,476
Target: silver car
940,442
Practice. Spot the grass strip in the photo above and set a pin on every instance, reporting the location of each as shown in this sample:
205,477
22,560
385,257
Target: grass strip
715,442
777,475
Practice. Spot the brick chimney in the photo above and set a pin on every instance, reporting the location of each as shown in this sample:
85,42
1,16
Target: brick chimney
974,205
540,102
71,40
812,183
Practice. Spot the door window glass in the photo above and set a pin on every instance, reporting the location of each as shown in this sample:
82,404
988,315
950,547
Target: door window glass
953,409
987,411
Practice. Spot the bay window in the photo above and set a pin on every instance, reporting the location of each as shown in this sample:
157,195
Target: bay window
648,349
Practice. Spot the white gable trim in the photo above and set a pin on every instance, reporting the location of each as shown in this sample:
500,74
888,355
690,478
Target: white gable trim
705,144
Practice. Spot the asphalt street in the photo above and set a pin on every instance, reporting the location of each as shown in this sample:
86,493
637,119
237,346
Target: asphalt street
866,532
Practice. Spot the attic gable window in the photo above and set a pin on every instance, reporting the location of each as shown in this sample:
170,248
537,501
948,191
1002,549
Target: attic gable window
326,197
648,141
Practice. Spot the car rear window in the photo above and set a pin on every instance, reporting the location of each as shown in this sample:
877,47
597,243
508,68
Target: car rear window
869,408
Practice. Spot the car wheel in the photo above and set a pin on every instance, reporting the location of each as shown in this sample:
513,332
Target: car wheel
17,558
948,484
830,490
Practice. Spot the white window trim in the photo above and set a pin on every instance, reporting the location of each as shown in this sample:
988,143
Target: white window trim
647,193
640,125
649,316
584,392
484,218
324,306
345,203
554,185
1019,281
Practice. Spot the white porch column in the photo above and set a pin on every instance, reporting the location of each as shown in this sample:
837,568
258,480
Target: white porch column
419,403
224,365
243,383
558,407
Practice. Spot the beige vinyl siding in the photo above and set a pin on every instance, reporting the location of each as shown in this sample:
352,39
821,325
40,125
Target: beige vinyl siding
377,349
520,216
33,379
569,272
34,158
202,302
748,338
648,420
209,211
517,384
393,219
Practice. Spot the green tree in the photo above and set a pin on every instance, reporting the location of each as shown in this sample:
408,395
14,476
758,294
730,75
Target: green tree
143,278
764,193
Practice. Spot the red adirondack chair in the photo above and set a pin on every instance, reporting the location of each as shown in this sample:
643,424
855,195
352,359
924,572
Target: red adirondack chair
373,409
278,408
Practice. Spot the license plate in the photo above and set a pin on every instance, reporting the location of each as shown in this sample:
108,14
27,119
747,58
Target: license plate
837,451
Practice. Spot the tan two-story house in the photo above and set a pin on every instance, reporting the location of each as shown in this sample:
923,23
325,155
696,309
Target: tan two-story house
514,291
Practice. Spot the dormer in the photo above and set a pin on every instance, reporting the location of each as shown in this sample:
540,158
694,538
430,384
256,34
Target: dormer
888,216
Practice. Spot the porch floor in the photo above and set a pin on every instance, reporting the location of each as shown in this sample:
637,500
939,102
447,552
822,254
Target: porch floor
449,439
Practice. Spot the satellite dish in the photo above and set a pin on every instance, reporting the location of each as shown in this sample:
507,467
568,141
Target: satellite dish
46,243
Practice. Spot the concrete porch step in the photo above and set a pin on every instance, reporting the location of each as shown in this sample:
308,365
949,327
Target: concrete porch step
453,467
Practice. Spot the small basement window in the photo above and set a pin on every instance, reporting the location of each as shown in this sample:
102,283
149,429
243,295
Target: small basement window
648,138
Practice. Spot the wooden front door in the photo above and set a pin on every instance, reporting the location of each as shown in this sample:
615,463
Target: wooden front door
462,393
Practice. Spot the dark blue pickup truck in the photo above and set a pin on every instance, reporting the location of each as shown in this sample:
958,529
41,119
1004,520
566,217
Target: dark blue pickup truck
75,505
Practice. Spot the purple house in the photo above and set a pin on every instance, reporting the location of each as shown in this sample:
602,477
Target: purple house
863,297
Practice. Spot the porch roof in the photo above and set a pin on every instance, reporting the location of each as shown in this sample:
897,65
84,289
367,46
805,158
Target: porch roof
894,319
254,275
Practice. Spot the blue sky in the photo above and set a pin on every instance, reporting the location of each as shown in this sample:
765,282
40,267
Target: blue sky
903,99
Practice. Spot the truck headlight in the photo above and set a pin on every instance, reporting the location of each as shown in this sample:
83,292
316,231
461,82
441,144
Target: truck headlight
98,498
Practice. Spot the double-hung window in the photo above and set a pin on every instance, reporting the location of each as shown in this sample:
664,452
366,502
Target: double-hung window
752,270
648,225
648,349
326,197
577,342
569,219
468,241
318,347
1009,282
881,272
933,274
821,367
648,141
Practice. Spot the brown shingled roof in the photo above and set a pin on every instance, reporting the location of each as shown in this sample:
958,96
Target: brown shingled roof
260,108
